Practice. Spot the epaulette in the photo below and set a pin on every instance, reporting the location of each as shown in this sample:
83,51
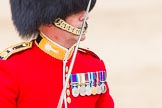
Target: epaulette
87,51
4,55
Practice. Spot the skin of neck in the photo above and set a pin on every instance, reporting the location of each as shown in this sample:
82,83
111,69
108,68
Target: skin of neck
58,35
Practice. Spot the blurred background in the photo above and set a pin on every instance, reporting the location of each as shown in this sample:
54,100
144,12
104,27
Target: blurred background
127,35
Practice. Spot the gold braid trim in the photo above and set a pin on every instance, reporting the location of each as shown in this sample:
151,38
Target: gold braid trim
4,55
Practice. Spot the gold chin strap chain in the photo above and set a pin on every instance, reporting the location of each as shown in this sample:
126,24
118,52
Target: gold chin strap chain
69,28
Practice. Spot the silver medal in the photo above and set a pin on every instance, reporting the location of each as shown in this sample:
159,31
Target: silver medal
82,90
99,90
75,92
88,90
103,87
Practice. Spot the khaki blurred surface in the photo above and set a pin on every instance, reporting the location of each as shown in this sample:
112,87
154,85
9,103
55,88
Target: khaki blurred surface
127,35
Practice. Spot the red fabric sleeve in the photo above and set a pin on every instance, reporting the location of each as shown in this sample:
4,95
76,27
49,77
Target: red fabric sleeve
8,87
105,100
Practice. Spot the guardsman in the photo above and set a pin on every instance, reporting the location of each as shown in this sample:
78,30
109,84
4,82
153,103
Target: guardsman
33,74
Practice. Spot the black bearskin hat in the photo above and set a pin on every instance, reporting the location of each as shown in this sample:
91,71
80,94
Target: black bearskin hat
28,15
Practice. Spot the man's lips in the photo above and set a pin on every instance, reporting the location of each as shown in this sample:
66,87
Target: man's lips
85,27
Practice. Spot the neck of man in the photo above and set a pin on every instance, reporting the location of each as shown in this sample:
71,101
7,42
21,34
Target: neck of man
59,36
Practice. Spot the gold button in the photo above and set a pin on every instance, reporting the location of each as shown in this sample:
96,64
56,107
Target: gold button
67,68
68,92
68,100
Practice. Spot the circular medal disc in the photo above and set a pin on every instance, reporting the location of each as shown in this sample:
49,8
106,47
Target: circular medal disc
94,90
82,90
88,90
103,87
75,92
99,91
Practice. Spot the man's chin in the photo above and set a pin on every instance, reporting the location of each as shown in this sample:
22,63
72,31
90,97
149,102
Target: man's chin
83,37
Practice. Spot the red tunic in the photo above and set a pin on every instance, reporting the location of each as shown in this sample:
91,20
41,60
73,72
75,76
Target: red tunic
34,79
